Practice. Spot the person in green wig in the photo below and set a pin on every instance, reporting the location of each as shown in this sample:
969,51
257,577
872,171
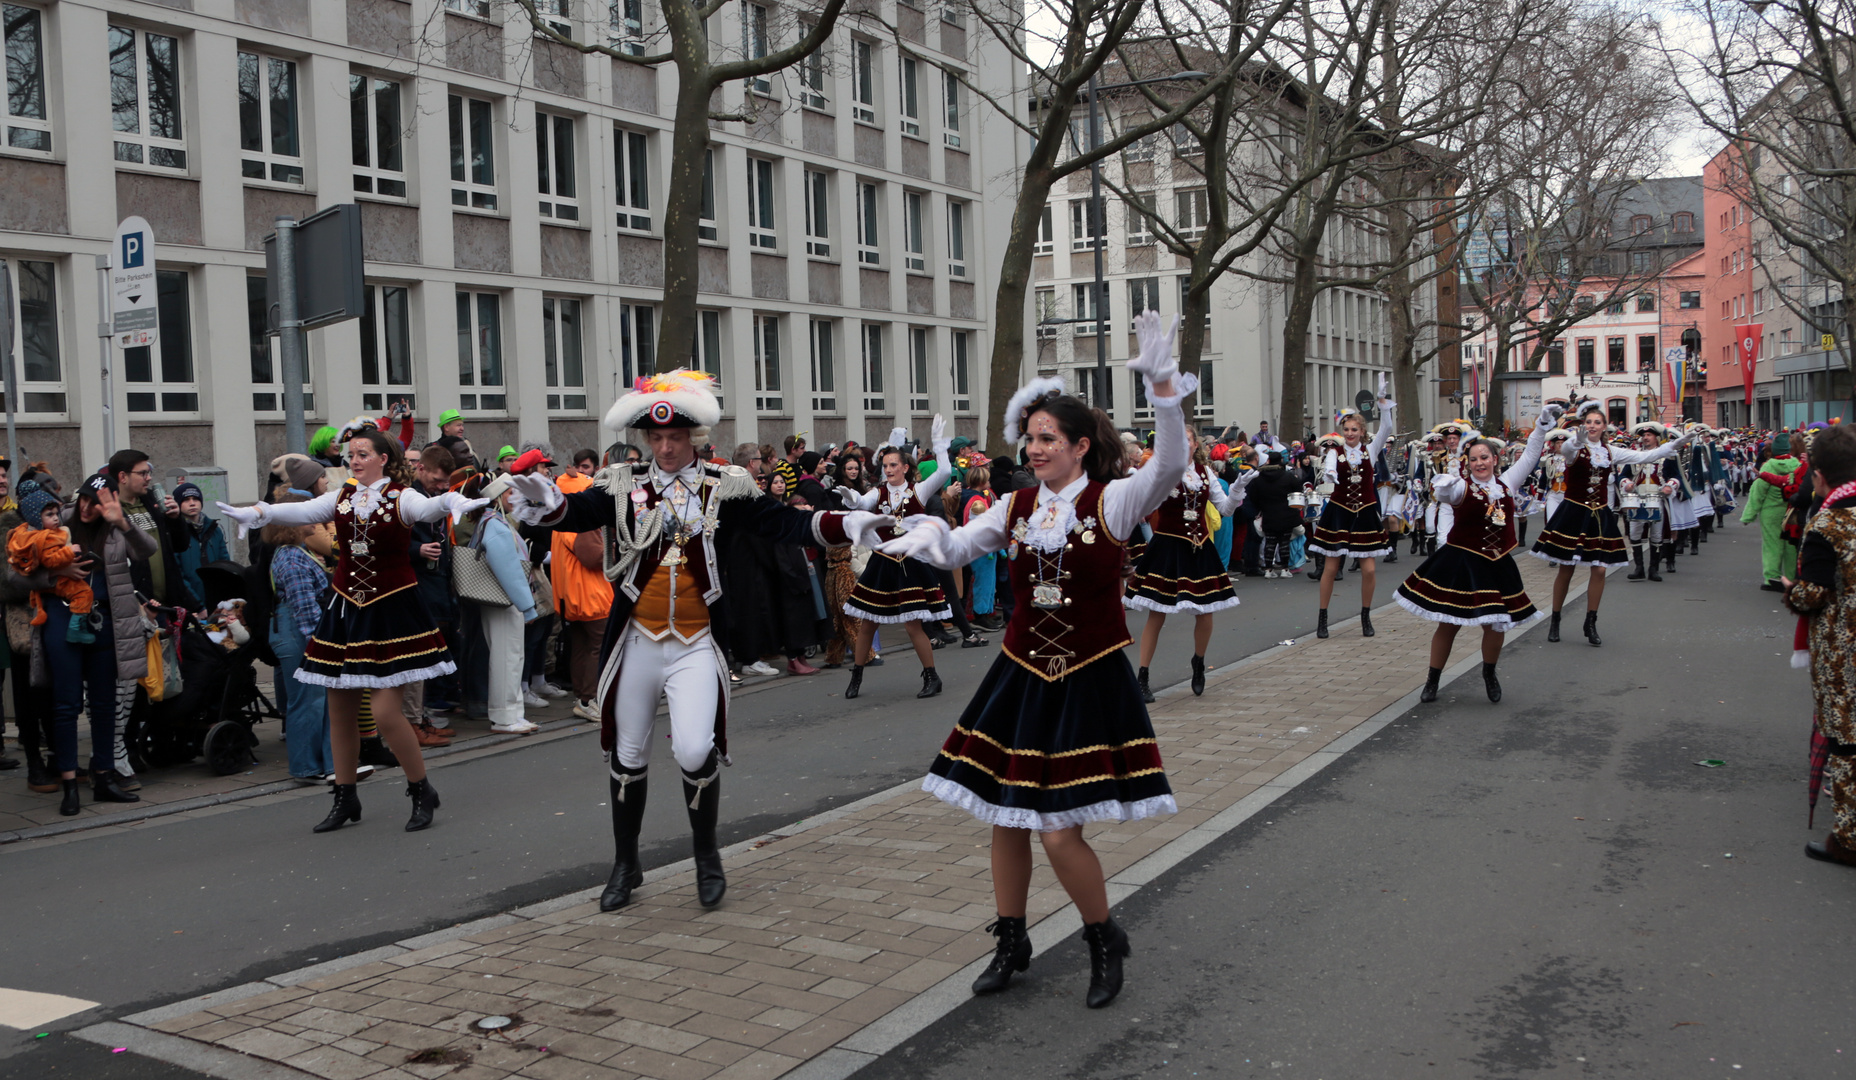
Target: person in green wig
1765,503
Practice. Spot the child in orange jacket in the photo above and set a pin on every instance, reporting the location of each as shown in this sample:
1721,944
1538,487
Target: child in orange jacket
43,543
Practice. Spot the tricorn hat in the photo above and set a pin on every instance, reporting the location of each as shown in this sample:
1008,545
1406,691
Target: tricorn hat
671,400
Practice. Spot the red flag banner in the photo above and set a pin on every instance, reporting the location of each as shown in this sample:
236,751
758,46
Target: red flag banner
1746,342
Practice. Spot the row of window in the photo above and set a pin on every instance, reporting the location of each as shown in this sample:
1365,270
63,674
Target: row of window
1092,309
1616,355
163,379
1191,212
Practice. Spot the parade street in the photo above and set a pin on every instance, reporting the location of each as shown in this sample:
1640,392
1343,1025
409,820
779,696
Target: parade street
1473,890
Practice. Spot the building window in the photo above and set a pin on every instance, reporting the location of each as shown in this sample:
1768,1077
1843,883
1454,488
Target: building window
1646,352
638,341
824,368
1143,295
374,120
1145,148
920,386
479,8
1185,292
755,43
1616,307
35,331
556,16
909,102
956,238
1206,404
951,15
1556,358
864,81
706,227
962,372
706,350
1689,300
631,179
561,357
818,213
1646,302
872,368
1588,357
1642,262
914,243
951,97
165,384
145,97
1085,298
1046,241
1045,301
23,114
1191,211
1640,224
480,350
1097,392
812,72
473,153
267,125
626,18
1082,230
1614,355
767,395
869,248
1617,411
554,167
1139,210
763,227
1683,222
386,347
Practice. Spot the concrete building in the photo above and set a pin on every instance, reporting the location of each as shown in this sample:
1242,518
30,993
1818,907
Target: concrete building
511,191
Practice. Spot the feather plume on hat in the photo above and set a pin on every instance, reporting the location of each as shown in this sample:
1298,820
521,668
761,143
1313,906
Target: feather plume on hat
1028,395
682,398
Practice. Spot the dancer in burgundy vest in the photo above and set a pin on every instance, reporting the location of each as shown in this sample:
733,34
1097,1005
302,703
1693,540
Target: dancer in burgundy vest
1350,525
1057,734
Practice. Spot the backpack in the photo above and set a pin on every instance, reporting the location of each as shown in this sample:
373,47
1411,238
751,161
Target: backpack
260,605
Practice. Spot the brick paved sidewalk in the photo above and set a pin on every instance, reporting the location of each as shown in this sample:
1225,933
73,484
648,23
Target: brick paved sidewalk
825,931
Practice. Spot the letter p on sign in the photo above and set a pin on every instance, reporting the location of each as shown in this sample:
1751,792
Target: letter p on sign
133,245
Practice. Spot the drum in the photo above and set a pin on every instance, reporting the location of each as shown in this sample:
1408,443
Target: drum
1630,502
1296,498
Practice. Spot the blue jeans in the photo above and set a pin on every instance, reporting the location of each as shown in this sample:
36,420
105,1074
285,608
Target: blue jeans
535,647
306,711
473,660
71,667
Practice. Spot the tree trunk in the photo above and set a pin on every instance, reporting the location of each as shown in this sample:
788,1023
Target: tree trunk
689,143
1008,339
1297,314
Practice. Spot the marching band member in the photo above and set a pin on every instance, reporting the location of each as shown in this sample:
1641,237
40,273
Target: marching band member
1057,734
1179,570
1644,491
1553,467
667,523
1424,459
1350,524
1472,579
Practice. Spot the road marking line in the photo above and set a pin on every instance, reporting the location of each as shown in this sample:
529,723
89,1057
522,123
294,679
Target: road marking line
27,1009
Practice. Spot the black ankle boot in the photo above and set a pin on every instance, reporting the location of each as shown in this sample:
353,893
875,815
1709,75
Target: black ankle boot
1321,624
40,776
1694,541
1636,564
857,682
347,808
627,802
1198,676
1108,945
703,795
1366,622
1429,693
374,752
1591,628
106,786
70,806
1140,679
1013,954
1553,627
1488,680
931,683
424,800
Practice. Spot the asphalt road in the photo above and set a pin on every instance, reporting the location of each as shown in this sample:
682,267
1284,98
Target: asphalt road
184,906
1545,885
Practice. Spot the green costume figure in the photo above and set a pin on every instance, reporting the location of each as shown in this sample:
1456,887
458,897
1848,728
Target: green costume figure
1765,503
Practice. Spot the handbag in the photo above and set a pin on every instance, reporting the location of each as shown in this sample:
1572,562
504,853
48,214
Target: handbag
472,577
163,680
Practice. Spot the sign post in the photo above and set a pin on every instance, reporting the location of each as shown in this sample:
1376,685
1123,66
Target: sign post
6,357
132,317
313,277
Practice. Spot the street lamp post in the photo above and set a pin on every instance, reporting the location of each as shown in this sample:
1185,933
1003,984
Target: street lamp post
1099,215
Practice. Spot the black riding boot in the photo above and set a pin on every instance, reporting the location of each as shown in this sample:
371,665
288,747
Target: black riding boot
1366,622
1147,693
1694,541
1321,624
70,806
1553,627
1488,680
347,808
1669,555
1429,693
1198,675
704,795
931,683
1108,945
1591,628
1655,561
1636,563
424,800
857,681
628,794
1013,954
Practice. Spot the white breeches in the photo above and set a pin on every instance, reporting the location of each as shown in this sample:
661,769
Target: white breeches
687,675
1653,531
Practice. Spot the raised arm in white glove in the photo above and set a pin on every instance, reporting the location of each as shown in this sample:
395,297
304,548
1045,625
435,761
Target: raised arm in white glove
533,498
1156,363
457,505
247,517
939,438
925,538
863,528
1549,416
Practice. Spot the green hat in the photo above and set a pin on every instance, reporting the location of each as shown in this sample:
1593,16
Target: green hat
505,452
927,468
449,415
1782,443
319,442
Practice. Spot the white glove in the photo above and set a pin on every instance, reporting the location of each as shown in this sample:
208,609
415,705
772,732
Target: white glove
925,539
1384,396
939,438
897,436
1156,362
1685,440
1549,416
864,528
248,517
459,505
533,498
1244,477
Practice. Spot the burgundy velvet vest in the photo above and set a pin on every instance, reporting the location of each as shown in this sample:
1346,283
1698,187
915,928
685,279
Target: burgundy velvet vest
1088,621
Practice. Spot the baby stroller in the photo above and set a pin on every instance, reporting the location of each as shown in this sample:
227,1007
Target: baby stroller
220,702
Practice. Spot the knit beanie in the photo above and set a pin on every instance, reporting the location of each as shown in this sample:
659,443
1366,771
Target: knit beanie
33,499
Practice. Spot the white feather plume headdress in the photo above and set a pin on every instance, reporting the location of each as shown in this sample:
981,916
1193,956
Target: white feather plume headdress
1029,395
674,399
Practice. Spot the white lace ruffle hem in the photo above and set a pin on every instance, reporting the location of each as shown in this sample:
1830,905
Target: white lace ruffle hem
1012,817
